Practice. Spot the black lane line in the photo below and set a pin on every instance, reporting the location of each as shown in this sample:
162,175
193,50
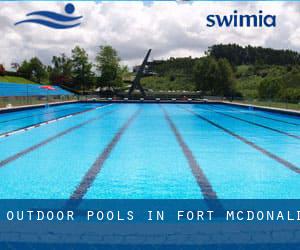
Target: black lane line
38,114
266,117
280,160
94,170
50,139
203,182
274,119
256,124
38,124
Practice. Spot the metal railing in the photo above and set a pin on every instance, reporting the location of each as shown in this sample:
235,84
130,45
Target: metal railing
274,103
15,101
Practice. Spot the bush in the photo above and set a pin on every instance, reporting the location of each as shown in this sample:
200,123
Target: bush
270,88
290,95
172,78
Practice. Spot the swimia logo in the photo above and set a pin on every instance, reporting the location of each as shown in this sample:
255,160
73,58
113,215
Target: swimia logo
239,20
54,20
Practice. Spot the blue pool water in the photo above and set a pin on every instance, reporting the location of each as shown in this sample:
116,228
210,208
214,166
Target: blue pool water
149,151
17,120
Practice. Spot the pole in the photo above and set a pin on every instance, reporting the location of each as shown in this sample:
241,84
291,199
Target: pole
27,99
82,76
47,98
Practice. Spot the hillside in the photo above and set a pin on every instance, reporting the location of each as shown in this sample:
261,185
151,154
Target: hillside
165,83
15,79
172,74
258,73
281,83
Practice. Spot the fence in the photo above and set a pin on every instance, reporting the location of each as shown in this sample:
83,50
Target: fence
14,94
287,104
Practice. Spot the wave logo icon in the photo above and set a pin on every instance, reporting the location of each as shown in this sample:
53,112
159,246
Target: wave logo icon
54,20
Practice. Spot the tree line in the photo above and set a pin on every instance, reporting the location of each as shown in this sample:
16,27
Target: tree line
238,55
76,71
271,73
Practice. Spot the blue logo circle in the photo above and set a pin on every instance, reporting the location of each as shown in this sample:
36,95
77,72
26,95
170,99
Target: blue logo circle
69,8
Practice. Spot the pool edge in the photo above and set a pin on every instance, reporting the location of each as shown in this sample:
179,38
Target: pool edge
242,105
263,108
34,106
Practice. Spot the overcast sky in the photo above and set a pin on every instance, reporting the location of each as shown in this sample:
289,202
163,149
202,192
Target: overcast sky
169,28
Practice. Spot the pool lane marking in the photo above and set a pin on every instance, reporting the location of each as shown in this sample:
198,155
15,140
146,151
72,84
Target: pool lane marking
27,128
266,117
94,170
6,134
38,114
201,179
273,119
50,139
256,124
280,160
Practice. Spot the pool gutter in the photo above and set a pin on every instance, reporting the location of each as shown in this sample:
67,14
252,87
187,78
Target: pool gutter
263,108
19,108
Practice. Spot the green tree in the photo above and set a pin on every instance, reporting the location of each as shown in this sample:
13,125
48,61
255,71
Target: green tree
2,70
108,65
213,76
205,74
38,70
238,55
61,71
270,88
33,70
81,69
25,69
224,83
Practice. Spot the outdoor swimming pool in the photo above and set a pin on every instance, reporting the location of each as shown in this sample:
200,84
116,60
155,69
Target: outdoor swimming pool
196,151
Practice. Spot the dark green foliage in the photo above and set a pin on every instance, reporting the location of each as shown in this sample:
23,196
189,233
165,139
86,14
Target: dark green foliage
33,70
225,81
83,77
213,76
179,66
270,88
280,83
61,70
108,65
2,70
164,83
290,95
172,78
227,70
277,89
25,69
205,73
238,55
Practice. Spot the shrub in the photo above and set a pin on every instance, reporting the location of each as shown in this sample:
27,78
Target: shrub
269,88
290,95
172,78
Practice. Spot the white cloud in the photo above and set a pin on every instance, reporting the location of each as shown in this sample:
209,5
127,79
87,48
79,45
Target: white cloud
169,28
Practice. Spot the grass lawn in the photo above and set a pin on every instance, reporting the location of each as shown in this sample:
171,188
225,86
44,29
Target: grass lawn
15,79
